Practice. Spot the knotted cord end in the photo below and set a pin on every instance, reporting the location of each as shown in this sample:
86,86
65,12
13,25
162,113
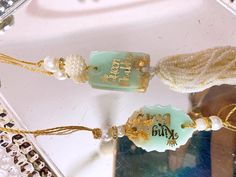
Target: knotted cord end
97,133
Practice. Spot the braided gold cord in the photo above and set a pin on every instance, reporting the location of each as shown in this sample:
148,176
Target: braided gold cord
97,132
34,67
64,130
226,122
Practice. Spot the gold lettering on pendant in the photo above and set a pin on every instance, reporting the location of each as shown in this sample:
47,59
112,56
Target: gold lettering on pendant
162,129
119,73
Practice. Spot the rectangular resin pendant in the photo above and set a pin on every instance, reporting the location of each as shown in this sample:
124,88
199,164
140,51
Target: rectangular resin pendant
120,71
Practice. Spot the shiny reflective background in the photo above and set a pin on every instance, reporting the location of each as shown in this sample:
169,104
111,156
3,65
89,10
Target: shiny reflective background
208,154
56,28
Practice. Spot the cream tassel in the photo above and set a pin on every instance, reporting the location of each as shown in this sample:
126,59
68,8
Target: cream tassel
198,71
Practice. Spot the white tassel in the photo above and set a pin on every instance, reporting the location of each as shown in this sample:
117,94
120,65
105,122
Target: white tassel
198,71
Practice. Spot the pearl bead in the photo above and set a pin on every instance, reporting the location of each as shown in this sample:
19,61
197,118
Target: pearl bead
60,75
216,122
50,64
76,68
201,124
106,136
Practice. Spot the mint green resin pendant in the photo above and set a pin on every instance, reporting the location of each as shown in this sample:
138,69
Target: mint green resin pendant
158,128
120,71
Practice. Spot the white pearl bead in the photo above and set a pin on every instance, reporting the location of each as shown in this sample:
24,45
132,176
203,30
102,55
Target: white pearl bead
201,124
60,75
216,122
50,64
76,68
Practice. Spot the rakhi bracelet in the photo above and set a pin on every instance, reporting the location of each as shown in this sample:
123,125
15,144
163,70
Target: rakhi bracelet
156,128
130,71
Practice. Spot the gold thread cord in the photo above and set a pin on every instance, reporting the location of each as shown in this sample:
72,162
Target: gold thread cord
97,133
226,122
34,67
64,130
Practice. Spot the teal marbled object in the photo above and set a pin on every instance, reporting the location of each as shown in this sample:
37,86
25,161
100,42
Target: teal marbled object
165,131
120,71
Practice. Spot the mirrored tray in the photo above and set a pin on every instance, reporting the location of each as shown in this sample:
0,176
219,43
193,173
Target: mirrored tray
20,155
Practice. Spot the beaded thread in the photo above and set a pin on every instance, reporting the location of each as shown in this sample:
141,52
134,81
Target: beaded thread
198,71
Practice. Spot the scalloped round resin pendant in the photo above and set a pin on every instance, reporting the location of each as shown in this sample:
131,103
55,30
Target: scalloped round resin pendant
122,71
159,128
